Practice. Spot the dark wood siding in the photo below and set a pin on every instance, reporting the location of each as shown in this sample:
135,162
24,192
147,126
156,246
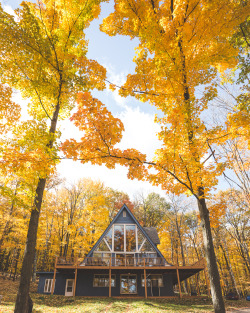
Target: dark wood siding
124,220
84,286
60,282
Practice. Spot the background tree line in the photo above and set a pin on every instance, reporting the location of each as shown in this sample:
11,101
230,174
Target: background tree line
74,217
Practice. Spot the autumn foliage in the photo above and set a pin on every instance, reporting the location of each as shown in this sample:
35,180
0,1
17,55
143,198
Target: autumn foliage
187,50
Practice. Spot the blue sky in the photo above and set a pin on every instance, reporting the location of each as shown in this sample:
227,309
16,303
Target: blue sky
116,54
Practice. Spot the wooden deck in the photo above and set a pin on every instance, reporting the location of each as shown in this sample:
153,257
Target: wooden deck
123,263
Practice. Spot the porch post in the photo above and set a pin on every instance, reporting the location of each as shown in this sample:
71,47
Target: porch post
145,281
54,278
75,282
179,283
109,282
110,277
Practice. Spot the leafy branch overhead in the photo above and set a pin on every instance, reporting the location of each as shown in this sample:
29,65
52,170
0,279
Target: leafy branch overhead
183,45
43,54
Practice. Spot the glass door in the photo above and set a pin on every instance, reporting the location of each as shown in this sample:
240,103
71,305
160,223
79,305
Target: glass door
128,284
69,290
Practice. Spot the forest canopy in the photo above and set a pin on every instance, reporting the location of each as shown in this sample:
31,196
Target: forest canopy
190,58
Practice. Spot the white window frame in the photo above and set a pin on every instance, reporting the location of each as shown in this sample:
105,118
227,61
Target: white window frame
124,251
129,275
48,285
113,275
149,280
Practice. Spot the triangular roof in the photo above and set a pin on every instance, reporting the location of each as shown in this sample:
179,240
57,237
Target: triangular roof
153,234
124,207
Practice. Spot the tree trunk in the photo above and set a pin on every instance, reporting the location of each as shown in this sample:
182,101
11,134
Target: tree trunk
47,245
229,266
182,251
29,253
22,299
2,257
224,277
16,263
7,263
213,272
218,303
8,225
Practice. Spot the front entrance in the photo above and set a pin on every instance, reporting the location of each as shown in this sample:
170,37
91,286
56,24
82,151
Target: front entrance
128,284
69,290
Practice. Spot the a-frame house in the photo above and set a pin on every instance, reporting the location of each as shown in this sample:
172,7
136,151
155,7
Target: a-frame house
124,257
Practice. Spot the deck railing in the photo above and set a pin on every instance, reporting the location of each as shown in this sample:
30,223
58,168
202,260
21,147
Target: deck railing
107,261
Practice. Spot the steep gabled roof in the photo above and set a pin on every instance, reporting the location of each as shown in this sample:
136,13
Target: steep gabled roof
144,232
153,234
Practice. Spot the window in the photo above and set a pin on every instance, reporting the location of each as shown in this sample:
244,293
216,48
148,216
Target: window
125,238
108,238
69,285
119,238
147,247
130,238
124,214
128,284
103,246
102,280
153,280
140,238
48,285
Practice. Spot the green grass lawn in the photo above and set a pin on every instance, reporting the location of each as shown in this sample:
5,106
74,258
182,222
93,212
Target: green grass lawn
61,304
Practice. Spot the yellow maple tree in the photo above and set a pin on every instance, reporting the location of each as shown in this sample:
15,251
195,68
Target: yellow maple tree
43,54
183,45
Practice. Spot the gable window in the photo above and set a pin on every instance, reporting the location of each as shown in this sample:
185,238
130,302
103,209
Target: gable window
126,239
108,238
119,238
146,246
102,280
103,246
140,239
48,285
124,214
130,238
153,280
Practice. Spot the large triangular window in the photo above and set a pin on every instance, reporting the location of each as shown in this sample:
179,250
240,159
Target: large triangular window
108,238
103,246
147,247
140,238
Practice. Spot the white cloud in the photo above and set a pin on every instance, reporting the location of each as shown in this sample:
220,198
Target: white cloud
17,98
7,8
140,131
116,178
118,80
